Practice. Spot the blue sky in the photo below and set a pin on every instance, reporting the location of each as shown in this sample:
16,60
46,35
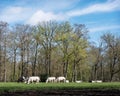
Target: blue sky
99,16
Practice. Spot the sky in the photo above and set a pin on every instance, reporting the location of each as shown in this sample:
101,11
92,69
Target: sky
99,16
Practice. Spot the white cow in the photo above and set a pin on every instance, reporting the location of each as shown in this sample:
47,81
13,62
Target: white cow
67,81
61,79
93,81
97,81
78,81
33,79
50,79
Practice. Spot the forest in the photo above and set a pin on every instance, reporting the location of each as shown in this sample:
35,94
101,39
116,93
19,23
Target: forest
57,49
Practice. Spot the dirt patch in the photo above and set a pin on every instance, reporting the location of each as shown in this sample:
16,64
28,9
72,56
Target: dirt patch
65,92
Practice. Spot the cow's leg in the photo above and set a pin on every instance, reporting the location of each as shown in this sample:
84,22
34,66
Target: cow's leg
64,80
38,81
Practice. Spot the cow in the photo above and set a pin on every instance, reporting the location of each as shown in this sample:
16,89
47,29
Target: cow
93,81
96,81
33,79
21,79
50,79
78,81
61,79
99,81
67,81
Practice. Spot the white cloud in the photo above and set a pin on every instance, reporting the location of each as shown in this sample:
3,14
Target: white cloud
110,5
29,16
35,15
14,14
40,16
104,28
59,4
40,11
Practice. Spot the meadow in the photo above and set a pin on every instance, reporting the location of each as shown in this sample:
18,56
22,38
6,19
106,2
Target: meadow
12,87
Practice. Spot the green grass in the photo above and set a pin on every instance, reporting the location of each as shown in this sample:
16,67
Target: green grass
12,87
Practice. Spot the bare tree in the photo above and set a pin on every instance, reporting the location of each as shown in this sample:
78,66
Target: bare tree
22,31
3,26
112,44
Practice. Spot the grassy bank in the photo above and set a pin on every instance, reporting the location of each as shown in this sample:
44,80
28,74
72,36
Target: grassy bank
12,87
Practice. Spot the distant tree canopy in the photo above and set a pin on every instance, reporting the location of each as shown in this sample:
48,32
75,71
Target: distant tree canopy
57,49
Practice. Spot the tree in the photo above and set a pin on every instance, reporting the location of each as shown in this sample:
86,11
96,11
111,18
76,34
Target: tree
3,27
112,43
36,42
79,43
46,32
22,31
12,53
96,61
63,41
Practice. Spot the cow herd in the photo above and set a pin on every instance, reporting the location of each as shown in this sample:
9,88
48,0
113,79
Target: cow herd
58,79
36,79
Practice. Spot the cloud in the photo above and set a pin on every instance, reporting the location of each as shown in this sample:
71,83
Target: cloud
52,11
104,28
40,16
21,11
110,5
55,5
14,14
29,16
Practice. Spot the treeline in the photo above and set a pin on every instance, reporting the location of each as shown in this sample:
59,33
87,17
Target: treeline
57,49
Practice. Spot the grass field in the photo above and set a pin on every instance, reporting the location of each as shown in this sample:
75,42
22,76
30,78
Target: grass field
13,87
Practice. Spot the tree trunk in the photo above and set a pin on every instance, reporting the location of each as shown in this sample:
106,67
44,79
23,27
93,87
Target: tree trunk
0,55
102,72
22,59
35,60
14,66
74,71
28,56
66,70
49,60
49,65
4,75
